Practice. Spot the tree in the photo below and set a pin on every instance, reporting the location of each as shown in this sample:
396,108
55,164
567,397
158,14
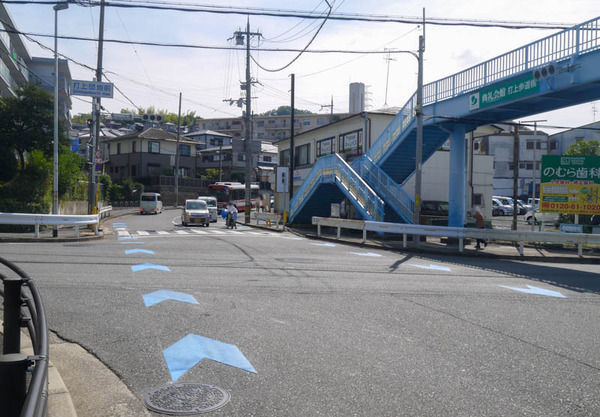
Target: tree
26,122
589,148
285,111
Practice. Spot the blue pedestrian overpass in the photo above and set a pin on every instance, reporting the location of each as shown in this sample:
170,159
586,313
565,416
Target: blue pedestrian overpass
555,72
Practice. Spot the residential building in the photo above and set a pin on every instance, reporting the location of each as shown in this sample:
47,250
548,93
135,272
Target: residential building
14,57
560,142
42,74
500,144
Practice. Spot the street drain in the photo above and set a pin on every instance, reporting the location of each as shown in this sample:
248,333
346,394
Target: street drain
186,399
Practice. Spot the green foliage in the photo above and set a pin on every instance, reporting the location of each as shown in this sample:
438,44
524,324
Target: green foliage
186,119
285,111
27,121
211,174
127,191
104,182
81,118
589,148
70,175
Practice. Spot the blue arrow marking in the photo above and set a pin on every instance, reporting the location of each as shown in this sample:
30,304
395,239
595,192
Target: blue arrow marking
536,290
374,255
127,238
329,245
141,267
162,295
128,242
130,251
187,352
431,266
291,238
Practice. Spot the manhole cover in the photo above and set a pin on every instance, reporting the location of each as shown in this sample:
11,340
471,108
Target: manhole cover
186,399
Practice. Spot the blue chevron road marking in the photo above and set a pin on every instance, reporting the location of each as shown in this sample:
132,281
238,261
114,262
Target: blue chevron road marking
141,267
163,295
132,251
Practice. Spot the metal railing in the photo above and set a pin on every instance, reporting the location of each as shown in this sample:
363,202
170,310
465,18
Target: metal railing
17,398
389,189
332,168
37,220
578,40
460,233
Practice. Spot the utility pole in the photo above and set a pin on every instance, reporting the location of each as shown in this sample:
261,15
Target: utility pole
239,37
419,144
177,155
292,116
387,78
515,176
96,106
324,106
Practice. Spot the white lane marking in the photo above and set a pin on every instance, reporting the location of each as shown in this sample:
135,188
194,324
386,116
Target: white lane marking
371,254
181,232
162,232
123,233
200,232
143,233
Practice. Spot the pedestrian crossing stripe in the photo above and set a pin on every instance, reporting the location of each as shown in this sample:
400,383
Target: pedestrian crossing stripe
143,233
189,232
181,232
162,232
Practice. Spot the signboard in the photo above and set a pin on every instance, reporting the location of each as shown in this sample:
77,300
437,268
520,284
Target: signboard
282,180
325,146
98,154
91,89
351,142
570,184
503,92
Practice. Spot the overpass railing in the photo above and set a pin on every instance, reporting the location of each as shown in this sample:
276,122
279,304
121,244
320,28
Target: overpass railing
578,40
17,397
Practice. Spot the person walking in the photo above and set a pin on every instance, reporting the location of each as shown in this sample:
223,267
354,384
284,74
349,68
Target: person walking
480,223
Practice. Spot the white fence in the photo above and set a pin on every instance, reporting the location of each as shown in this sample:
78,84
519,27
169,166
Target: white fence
459,233
269,219
52,220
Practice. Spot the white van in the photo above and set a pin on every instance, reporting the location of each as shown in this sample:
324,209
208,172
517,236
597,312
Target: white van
150,203
211,202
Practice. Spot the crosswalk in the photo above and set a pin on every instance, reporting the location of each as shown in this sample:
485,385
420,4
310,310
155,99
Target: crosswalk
121,232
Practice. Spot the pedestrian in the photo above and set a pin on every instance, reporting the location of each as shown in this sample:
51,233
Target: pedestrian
480,223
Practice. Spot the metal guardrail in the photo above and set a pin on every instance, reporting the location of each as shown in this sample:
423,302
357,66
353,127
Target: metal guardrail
459,233
50,220
17,398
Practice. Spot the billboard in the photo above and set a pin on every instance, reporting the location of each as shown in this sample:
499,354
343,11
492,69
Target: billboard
570,184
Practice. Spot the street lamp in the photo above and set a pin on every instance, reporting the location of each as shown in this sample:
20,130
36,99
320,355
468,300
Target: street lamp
57,7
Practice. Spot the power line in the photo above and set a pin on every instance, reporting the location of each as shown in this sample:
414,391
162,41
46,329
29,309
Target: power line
248,11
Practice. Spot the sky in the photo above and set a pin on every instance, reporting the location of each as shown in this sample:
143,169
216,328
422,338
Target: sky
154,76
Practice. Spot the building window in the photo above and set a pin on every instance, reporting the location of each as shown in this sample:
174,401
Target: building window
302,155
241,157
553,144
511,166
118,149
326,146
267,158
476,146
306,122
133,147
320,121
260,123
529,144
153,147
284,158
134,170
108,148
116,170
185,150
261,135
529,166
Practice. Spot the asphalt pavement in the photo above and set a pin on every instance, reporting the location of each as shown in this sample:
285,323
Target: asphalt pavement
330,327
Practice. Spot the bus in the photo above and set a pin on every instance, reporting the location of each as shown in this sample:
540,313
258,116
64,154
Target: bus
234,192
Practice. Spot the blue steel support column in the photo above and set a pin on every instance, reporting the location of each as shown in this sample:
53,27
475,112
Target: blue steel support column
458,177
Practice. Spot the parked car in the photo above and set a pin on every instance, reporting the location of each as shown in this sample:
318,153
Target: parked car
434,208
196,212
532,217
211,202
499,209
509,201
523,208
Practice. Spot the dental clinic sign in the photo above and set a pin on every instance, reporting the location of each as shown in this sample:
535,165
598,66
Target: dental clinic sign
570,184
506,91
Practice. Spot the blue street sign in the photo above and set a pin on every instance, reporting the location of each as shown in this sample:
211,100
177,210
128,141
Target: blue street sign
187,352
162,295
142,267
536,290
91,89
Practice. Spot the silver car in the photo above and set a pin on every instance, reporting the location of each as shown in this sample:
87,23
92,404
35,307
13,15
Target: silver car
195,212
